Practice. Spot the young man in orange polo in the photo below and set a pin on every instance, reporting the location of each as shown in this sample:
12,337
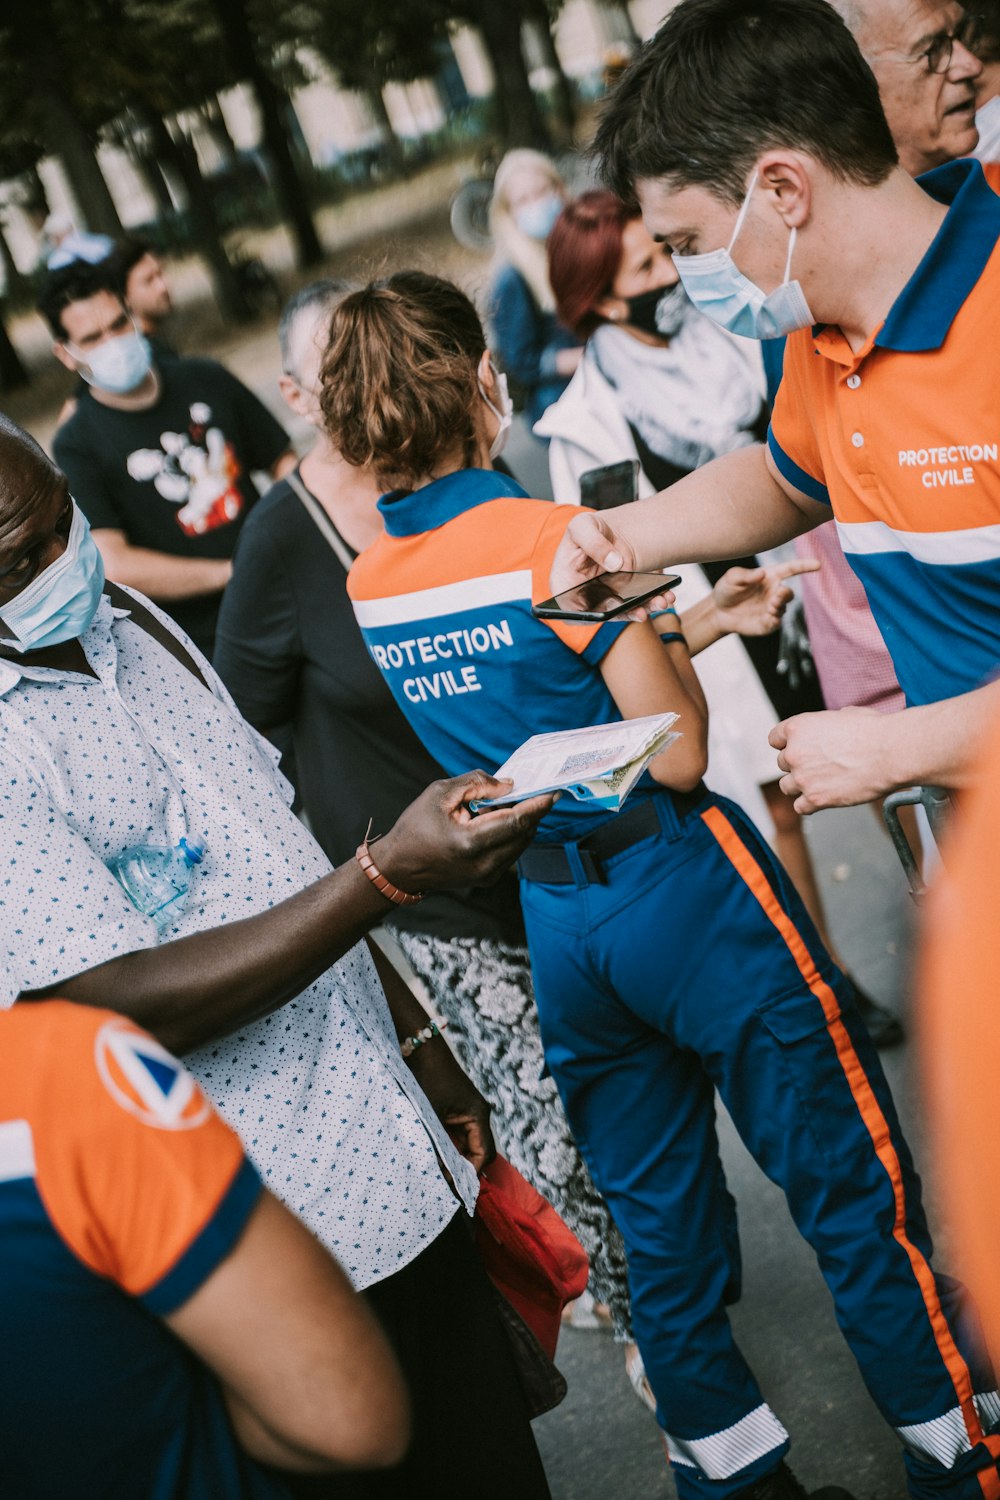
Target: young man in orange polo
751,134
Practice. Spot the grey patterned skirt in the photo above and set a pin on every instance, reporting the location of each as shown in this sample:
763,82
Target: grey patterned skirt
484,991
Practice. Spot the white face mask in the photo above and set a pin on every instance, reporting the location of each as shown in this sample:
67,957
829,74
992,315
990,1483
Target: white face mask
60,602
119,365
504,413
719,289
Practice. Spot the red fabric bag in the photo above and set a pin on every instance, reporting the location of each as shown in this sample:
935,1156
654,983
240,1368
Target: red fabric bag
532,1257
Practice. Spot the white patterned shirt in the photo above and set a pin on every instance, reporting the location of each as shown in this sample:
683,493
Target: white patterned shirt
325,1105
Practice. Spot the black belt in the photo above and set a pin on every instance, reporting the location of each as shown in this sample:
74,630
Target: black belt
550,864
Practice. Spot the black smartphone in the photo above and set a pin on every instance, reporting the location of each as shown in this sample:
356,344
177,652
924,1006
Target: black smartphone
605,597
615,484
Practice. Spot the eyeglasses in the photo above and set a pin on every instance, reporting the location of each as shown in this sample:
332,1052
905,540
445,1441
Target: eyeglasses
937,55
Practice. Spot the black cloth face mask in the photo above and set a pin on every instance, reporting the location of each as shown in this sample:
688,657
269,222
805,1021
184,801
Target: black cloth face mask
660,311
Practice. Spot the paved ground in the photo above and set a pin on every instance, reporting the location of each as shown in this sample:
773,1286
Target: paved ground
601,1445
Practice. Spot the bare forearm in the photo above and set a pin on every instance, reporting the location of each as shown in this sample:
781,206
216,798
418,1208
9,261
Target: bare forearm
408,1015
702,625
200,988
161,575
938,745
731,507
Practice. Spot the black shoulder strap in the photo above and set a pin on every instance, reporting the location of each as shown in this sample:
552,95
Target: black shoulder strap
147,621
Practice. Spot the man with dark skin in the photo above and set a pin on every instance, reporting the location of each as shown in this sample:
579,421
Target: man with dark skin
111,735
206,985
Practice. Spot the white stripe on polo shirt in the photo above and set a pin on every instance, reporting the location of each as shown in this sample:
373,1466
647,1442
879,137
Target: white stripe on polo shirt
447,599
17,1151
977,544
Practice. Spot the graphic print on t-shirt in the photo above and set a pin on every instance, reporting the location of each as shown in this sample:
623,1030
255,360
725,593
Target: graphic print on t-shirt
196,470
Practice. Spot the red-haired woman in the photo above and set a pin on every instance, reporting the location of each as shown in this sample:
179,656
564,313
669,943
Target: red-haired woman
662,383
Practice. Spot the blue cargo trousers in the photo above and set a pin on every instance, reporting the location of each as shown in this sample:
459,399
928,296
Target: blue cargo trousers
692,966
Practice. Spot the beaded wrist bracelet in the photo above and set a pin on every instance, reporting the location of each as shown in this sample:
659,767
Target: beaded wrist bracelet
384,886
420,1038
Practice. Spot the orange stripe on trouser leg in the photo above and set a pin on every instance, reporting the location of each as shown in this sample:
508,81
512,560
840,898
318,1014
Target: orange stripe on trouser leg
757,882
989,1479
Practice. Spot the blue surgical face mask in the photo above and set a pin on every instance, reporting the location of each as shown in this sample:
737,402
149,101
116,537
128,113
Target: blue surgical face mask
719,289
61,601
537,218
118,365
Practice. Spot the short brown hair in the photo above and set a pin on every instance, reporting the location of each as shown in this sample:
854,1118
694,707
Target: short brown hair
724,80
399,378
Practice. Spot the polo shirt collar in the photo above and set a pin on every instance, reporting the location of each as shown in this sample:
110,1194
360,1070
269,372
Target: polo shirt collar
925,309
411,512
98,645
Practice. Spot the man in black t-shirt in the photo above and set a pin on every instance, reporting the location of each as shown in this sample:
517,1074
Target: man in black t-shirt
159,454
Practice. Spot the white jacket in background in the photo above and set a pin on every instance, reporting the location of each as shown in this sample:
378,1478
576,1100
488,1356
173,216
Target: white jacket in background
586,430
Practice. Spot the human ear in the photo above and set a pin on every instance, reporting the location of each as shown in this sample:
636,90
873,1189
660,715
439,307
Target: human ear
787,179
64,357
614,309
484,374
289,388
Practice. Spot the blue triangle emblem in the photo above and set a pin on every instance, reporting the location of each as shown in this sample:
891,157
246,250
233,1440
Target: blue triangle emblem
162,1074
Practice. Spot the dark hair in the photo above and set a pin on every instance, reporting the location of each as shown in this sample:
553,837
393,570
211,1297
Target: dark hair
400,376
128,253
981,29
724,80
585,251
322,295
75,283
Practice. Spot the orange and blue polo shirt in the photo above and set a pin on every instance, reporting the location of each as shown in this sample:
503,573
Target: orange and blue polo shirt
902,440
121,1191
443,600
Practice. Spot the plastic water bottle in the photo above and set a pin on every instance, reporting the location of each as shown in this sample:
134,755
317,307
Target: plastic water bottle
156,878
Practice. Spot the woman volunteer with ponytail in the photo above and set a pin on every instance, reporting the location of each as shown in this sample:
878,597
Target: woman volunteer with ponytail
671,954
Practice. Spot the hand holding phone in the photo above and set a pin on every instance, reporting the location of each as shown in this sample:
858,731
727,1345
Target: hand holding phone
606,597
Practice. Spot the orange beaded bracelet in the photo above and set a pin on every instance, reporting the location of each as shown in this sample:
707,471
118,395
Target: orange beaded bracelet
384,886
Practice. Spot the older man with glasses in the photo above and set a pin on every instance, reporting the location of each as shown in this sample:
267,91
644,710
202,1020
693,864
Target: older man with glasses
919,53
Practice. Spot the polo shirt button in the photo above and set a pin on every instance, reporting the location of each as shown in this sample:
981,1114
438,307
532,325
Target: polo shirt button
857,439
853,381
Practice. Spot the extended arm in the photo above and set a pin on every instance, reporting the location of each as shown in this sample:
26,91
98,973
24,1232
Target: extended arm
309,1379
647,676
837,759
745,601
202,987
735,505
161,575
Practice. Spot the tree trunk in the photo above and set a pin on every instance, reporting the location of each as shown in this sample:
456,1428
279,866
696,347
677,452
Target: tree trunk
519,120
135,143
380,110
215,123
563,97
13,375
181,158
620,8
14,279
287,184
67,139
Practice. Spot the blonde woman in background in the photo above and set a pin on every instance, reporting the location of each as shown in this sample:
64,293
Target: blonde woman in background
538,354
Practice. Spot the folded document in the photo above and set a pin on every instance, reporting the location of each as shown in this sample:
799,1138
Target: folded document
599,765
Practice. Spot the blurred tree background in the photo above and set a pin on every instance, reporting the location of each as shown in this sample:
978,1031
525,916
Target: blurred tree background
147,76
